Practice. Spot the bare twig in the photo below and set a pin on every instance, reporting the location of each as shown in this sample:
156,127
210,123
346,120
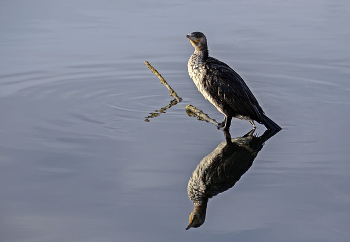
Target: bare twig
172,92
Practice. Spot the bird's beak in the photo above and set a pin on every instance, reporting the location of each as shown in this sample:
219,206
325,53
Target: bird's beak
192,222
192,39
189,226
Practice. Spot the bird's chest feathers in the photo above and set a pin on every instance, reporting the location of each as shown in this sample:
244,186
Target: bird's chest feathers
197,71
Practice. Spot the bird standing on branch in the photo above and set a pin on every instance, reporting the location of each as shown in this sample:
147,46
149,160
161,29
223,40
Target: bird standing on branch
223,87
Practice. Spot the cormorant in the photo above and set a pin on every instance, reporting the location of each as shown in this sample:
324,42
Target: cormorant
221,169
223,87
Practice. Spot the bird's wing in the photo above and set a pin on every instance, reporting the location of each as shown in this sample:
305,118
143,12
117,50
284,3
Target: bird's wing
227,165
224,84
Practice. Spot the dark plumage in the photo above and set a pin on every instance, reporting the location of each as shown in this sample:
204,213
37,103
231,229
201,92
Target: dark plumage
223,87
221,169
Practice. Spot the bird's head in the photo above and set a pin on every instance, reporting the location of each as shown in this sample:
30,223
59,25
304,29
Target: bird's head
198,40
197,218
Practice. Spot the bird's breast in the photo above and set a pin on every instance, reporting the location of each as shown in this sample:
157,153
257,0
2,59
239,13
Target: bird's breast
197,72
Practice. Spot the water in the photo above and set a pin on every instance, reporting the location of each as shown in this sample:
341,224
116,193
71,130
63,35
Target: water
79,162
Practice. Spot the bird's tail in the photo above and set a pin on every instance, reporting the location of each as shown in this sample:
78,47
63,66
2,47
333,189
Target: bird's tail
269,124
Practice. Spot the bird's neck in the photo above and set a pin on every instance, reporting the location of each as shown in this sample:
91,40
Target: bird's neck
202,53
201,207
201,204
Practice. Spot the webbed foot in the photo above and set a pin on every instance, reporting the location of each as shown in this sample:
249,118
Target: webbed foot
252,122
225,124
221,125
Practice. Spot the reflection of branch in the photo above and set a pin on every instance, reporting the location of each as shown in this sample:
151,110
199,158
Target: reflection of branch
162,110
193,111
172,92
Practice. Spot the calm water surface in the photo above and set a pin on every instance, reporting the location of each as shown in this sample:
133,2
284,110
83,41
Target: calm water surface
78,162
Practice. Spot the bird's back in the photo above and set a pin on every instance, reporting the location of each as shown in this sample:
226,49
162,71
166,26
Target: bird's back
224,84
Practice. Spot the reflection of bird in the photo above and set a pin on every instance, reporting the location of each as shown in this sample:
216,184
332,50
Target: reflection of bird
221,169
223,87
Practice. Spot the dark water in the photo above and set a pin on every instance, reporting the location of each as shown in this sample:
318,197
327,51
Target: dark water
79,163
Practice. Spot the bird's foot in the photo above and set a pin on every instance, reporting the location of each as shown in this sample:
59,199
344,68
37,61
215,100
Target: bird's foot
225,125
252,122
221,125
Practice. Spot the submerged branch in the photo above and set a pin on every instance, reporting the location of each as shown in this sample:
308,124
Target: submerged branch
163,81
193,111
